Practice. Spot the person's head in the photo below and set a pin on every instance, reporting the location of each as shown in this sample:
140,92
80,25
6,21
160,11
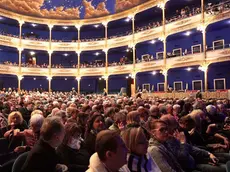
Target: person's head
36,122
109,112
144,113
72,112
15,118
54,111
96,123
37,112
52,131
169,108
176,109
187,123
154,111
133,117
62,114
135,140
111,149
211,110
159,130
171,123
120,118
73,136
30,106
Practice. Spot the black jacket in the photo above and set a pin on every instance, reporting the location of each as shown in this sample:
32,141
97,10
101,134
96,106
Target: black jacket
42,158
75,160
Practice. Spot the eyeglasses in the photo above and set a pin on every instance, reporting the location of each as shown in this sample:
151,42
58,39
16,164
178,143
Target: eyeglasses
162,130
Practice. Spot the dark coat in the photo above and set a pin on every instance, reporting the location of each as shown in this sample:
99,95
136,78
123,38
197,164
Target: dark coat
75,160
42,158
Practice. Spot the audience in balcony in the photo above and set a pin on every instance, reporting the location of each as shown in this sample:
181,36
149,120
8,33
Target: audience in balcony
149,134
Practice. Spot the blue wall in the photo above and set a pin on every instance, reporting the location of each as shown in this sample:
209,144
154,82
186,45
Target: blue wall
28,83
8,56
66,85
9,81
181,74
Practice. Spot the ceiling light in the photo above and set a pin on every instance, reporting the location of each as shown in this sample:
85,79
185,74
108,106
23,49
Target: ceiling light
99,78
65,54
153,41
189,69
188,33
65,27
34,25
127,50
126,77
65,79
32,32
154,72
97,53
127,19
32,53
34,78
1,18
96,26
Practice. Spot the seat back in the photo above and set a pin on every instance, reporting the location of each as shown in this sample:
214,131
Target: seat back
228,166
4,143
19,162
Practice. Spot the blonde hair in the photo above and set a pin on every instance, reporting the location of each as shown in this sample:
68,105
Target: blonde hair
12,114
36,112
131,136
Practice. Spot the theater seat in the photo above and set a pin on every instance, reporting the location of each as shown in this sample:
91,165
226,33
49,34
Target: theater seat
228,166
4,146
19,162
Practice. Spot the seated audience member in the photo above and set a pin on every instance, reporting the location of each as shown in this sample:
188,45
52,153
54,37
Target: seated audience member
95,124
111,153
42,157
109,114
15,125
27,110
62,115
138,158
31,135
190,157
133,119
119,122
72,114
71,152
164,158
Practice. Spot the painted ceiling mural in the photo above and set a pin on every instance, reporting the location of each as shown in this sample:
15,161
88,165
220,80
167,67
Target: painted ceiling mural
68,9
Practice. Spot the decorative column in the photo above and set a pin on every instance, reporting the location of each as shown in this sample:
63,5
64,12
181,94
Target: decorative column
50,36
106,78
78,62
50,62
78,84
204,68
106,46
164,33
133,90
49,78
133,42
20,60
165,73
20,77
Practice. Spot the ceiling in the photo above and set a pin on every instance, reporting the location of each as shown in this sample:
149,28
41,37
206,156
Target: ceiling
68,9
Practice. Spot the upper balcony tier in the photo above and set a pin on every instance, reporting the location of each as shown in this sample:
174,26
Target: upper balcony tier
171,28
176,62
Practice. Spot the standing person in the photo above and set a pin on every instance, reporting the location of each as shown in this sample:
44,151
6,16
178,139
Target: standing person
111,153
42,157
105,92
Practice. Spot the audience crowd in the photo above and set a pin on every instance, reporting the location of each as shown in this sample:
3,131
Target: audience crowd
47,132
